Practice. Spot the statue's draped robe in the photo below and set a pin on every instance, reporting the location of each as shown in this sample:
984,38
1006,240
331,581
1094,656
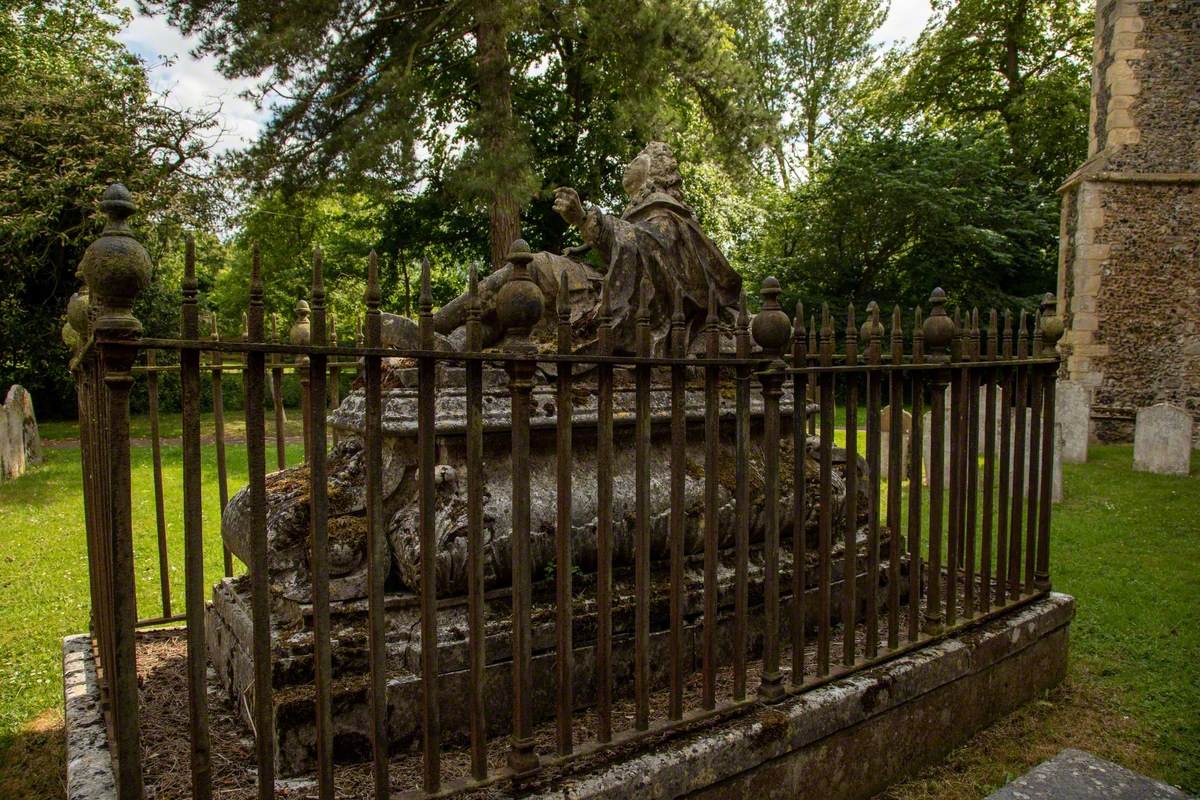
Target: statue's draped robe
659,238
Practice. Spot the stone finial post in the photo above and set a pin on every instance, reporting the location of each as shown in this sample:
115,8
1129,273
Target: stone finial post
1052,327
519,303
938,329
117,268
772,330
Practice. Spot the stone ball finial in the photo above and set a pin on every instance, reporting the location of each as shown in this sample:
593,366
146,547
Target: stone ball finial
771,327
519,303
301,331
938,328
1052,324
116,266
77,311
871,325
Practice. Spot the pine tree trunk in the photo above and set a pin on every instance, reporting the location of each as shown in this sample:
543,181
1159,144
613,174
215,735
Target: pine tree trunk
495,100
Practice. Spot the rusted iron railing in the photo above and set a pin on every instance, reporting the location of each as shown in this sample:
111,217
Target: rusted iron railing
967,557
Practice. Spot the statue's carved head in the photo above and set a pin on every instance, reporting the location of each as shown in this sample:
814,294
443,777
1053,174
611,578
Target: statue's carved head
653,170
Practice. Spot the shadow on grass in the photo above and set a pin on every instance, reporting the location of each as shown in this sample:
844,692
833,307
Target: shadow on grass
32,759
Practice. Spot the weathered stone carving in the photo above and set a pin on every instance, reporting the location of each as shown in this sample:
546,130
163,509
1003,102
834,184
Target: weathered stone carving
656,237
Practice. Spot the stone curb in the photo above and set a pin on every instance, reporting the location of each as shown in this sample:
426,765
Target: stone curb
702,760
89,763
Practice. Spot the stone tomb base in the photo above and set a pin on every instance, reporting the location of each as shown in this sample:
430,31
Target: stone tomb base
230,651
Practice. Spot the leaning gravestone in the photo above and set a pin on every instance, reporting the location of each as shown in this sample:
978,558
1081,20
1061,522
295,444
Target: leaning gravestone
1072,409
20,445
1162,440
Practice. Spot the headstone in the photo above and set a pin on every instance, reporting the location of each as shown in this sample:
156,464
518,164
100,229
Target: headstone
927,446
1073,409
1056,485
1162,440
20,400
885,427
20,445
1076,775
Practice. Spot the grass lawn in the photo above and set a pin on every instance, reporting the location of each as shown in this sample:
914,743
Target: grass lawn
1125,544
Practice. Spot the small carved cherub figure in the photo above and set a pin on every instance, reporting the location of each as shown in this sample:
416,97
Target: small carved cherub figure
656,236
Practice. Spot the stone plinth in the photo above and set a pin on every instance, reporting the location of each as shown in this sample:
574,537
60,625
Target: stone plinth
230,650
1072,410
1076,775
1162,440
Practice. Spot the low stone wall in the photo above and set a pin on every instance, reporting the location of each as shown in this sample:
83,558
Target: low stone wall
856,736
847,740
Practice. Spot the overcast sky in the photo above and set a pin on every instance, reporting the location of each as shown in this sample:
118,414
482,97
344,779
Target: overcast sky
195,83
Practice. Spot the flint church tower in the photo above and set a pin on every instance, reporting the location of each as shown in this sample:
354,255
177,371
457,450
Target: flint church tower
1129,252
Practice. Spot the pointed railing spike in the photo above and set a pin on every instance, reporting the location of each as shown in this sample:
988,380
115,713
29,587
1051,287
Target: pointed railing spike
563,301
426,298
372,295
798,332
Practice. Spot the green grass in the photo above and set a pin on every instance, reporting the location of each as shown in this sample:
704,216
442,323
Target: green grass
1125,544
170,425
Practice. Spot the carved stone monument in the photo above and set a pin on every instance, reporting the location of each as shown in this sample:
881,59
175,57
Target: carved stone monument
20,443
655,243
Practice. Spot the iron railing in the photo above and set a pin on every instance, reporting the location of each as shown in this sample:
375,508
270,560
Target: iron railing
977,545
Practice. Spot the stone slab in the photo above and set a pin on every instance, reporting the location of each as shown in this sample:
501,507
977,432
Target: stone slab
1076,775
1073,410
1162,440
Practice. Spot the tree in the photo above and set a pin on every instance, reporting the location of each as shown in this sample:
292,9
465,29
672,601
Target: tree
503,99
825,48
891,214
1023,63
76,113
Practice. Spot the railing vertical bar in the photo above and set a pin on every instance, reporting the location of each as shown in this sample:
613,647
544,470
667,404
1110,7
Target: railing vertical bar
1005,477
825,525
522,756
604,493
475,552
972,465
378,560
895,477
335,377
641,541
679,510
565,655
937,443
160,513
426,442
1019,457
712,499
260,589
1034,447
193,533
771,333
989,467
218,406
799,498
1048,333
319,538
915,479
955,472
277,400
850,535
871,619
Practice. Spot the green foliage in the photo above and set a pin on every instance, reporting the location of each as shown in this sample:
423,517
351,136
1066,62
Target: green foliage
76,113
890,215
1024,64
